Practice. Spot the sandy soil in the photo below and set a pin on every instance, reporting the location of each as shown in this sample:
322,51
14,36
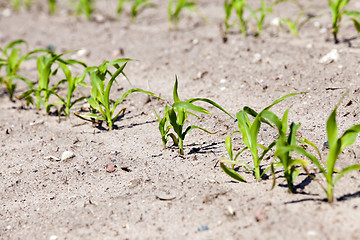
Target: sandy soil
155,193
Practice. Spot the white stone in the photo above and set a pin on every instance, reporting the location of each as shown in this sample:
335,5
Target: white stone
275,22
6,12
256,58
67,155
323,30
333,55
83,52
317,24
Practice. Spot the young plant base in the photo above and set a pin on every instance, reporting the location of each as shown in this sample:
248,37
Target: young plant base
175,118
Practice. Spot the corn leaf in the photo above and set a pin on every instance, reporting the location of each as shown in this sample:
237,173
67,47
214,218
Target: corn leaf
232,173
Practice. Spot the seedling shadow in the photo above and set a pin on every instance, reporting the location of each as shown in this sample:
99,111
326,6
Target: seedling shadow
307,200
345,197
263,175
199,148
349,196
299,188
348,41
99,125
133,125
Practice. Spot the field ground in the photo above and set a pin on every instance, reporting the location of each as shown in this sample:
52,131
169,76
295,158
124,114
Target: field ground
155,193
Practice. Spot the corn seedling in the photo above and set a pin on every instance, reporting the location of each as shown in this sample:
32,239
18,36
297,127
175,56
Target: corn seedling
43,91
52,6
72,83
165,126
100,101
296,25
291,171
137,6
239,6
336,146
260,13
337,11
175,118
249,132
18,3
175,7
85,7
11,59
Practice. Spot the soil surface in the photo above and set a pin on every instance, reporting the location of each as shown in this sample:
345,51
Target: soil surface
155,193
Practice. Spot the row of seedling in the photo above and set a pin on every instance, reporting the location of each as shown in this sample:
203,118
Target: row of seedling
242,9
49,64
173,122
245,13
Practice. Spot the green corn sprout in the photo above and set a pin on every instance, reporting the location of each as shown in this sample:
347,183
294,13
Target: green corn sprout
175,7
336,146
52,6
100,101
296,25
260,13
44,90
165,126
17,4
72,84
337,10
175,118
249,132
11,60
137,6
85,7
291,171
239,6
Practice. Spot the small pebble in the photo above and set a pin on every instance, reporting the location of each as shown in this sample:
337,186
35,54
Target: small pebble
275,22
195,41
67,155
51,47
202,228
261,216
83,52
6,12
323,30
317,24
110,168
99,18
332,56
256,58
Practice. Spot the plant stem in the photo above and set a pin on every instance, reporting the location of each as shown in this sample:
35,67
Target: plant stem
289,179
181,146
257,172
329,192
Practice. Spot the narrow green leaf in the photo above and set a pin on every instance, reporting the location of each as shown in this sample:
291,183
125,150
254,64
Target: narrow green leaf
211,103
232,173
228,146
190,128
189,106
346,170
175,91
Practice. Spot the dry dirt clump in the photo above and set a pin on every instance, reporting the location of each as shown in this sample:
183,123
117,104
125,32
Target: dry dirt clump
60,178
